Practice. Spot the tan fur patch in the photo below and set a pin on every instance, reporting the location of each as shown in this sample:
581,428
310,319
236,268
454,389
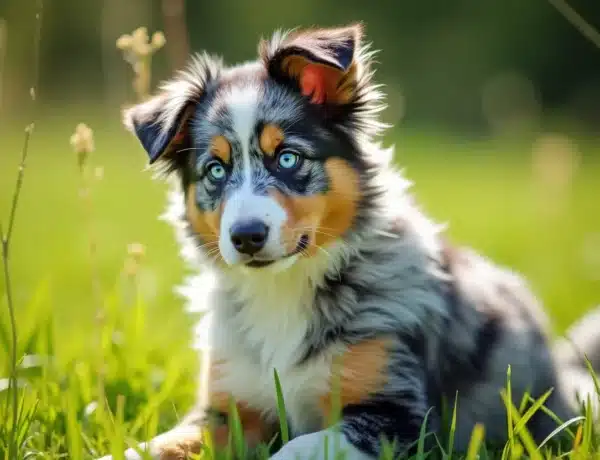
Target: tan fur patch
270,138
356,374
205,224
256,429
323,217
221,148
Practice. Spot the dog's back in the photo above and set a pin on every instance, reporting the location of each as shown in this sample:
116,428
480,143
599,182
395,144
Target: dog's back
516,323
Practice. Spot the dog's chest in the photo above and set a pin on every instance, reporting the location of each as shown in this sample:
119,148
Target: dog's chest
265,336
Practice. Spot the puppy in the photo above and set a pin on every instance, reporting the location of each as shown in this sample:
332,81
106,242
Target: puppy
314,262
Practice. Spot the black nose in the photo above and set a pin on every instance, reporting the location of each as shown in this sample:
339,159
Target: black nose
249,237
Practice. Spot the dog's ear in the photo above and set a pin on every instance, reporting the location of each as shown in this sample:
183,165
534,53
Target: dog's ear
321,63
160,133
161,123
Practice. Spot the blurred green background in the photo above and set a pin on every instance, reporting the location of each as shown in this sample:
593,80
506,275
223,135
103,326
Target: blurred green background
495,112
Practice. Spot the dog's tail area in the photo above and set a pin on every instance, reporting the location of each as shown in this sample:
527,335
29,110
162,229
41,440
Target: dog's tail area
581,341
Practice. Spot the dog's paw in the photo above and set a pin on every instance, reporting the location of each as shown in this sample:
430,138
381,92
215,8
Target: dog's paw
130,454
179,451
177,444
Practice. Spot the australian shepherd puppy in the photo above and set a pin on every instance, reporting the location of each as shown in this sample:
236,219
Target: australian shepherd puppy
315,263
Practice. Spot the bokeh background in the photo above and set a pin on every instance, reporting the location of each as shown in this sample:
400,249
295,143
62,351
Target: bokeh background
495,107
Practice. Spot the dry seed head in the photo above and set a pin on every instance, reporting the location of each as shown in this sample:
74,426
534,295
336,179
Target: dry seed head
124,42
137,50
158,40
136,250
140,35
135,253
142,49
82,141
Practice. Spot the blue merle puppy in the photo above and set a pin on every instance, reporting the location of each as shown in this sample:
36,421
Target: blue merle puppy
315,262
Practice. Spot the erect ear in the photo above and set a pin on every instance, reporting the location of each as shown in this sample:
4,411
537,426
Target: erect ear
322,62
161,123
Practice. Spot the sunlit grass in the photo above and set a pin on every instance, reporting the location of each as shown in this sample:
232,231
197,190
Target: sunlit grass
485,190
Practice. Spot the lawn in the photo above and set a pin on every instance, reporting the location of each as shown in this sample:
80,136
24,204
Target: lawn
544,225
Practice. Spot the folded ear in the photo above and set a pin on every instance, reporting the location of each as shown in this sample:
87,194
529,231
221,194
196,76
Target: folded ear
160,134
321,62
161,123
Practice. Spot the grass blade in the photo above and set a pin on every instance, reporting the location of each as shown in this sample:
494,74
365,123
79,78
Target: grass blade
281,412
422,436
236,429
559,429
450,447
523,433
475,442
531,411
594,377
509,420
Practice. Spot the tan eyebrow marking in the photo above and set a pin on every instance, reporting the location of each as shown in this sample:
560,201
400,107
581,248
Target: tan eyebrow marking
270,138
220,148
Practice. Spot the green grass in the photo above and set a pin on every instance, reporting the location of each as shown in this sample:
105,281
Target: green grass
485,190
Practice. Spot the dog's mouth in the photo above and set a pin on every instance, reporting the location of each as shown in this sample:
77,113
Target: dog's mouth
259,263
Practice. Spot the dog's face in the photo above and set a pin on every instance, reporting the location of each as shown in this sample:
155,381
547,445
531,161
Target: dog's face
266,151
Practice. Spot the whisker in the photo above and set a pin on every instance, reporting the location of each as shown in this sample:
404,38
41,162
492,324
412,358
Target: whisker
214,255
207,235
212,250
318,227
186,149
208,245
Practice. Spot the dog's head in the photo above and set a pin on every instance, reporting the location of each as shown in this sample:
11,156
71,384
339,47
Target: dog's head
268,152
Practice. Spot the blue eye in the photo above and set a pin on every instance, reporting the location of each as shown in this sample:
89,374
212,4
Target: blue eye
288,160
216,171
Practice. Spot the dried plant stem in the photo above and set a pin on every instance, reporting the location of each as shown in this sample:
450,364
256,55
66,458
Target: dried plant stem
6,236
586,29
6,240
12,383
86,192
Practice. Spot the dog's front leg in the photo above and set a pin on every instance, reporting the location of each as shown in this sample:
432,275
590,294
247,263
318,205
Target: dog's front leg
381,393
186,438
176,444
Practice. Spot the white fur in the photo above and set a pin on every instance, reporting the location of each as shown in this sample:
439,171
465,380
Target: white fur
324,444
242,103
244,206
266,334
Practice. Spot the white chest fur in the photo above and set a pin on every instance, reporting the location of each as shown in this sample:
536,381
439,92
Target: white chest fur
261,331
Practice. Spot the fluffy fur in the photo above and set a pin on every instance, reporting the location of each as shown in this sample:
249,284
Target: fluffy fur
346,289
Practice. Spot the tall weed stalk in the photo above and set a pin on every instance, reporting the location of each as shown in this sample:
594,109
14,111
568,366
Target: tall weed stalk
6,235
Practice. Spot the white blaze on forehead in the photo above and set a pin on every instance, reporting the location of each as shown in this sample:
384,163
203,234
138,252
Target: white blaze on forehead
242,105
244,204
